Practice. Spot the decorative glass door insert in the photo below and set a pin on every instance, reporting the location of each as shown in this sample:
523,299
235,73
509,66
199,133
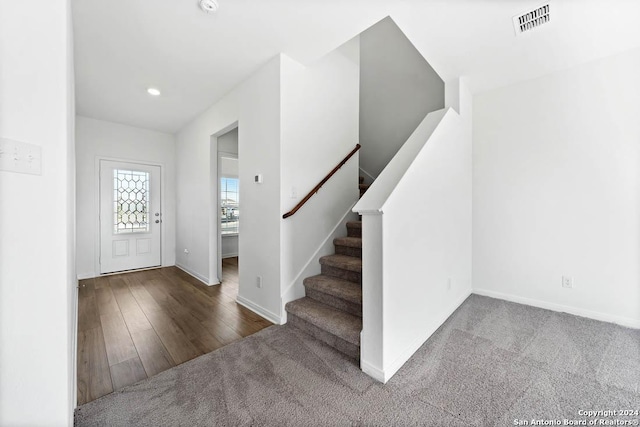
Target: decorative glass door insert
130,201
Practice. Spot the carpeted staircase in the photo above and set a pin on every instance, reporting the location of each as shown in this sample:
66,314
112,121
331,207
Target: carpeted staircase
332,308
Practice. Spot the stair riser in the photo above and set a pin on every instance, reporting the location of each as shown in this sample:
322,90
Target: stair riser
351,276
339,344
354,232
340,304
348,250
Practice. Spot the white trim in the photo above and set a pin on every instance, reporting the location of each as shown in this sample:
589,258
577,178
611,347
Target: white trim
114,273
259,310
74,346
198,276
232,255
373,371
391,369
603,317
373,212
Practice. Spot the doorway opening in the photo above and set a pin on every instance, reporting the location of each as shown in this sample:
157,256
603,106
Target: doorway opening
228,204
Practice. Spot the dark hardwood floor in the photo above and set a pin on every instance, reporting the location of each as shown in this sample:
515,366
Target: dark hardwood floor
134,325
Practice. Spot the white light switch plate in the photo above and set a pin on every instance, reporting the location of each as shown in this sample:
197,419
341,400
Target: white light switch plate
20,157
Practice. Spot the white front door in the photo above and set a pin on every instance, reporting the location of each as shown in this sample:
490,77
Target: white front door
130,217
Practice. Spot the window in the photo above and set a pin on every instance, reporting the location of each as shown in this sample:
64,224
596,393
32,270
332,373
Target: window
130,201
230,213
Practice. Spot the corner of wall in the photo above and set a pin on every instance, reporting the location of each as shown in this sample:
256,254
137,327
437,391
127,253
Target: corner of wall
458,96
452,94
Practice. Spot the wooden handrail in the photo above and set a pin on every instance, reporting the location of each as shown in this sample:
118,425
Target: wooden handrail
321,183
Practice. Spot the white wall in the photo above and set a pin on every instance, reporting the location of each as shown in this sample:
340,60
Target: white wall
417,238
229,246
295,124
228,143
427,243
254,106
100,139
37,286
319,128
557,192
398,88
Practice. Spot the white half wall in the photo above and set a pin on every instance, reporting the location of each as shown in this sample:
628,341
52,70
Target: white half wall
38,290
255,106
556,190
417,252
319,128
97,139
427,243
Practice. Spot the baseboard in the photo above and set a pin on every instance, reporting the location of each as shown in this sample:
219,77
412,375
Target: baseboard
73,381
417,343
229,255
595,315
85,276
198,276
261,311
373,371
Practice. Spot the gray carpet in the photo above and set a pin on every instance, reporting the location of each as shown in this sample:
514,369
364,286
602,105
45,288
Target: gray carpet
491,363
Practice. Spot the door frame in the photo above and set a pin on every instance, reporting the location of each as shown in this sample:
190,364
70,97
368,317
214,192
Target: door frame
215,238
96,202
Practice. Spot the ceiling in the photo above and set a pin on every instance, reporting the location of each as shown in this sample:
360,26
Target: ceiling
124,46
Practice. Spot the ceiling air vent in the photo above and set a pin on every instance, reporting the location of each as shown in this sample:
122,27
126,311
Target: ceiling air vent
532,19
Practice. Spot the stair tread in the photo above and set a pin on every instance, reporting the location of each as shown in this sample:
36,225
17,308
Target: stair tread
352,242
336,322
363,186
339,288
354,224
344,262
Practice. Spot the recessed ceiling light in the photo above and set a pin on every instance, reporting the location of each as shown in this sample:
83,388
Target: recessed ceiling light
153,91
209,6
